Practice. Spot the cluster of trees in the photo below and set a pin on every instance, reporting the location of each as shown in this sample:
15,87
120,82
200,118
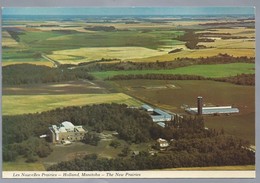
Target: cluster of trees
228,24
175,50
216,151
32,74
192,39
193,146
31,149
15,34
91,138
176,63
133,126
101,28
240,79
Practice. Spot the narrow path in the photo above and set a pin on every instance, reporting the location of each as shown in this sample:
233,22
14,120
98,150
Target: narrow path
55,63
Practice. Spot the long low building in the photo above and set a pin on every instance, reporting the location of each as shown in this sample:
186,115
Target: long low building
158,116
213,110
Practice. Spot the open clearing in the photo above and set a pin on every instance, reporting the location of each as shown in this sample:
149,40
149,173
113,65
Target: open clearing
213,71
22,104
213,93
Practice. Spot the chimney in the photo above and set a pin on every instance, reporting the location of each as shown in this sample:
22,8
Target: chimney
199,100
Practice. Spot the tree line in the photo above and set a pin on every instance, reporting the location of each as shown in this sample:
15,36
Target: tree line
176,63
216,151
32,74
133,126
191,144
239,79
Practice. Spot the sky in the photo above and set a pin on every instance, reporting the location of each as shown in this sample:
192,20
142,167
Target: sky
130,11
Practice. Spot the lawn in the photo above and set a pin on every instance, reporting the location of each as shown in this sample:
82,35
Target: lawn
212,71
19,166
21,104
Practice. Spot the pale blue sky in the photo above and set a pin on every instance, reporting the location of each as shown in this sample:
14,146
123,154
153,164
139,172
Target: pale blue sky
130,11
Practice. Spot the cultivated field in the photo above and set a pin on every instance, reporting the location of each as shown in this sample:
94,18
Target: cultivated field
173,95
73,56
212,71
22,104
70,87
142,40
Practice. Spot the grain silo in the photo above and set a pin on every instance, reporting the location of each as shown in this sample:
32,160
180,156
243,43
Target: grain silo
200,104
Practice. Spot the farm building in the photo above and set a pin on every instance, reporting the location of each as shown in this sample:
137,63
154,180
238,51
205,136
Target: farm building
214,110
147,108
158,116
66,132
200,110
162,143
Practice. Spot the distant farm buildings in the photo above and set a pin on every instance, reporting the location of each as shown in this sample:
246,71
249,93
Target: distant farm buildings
200,110
162,144
158,116
66,133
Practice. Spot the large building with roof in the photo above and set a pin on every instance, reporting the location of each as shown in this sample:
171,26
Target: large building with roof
66,132
158,116
214,110
200,110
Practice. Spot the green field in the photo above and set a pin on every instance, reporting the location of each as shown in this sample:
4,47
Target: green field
21,104
212,71
51,41
17,166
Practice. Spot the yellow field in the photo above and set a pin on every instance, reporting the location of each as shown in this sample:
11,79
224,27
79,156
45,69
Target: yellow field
231,44
14,166
238,31
46,63
21,104
199,53
8,41
90,54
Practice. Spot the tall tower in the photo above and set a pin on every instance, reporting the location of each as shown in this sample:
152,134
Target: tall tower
199,101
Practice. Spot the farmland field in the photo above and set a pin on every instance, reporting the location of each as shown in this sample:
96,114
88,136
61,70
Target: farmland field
15,166
212,71
159,94
70,87
143,41
22,104
89,54
78,47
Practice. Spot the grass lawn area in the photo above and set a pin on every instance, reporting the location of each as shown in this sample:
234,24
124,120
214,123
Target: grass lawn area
21,104
14,166
213,71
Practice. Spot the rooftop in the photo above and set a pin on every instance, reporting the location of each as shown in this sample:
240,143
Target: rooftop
214,110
